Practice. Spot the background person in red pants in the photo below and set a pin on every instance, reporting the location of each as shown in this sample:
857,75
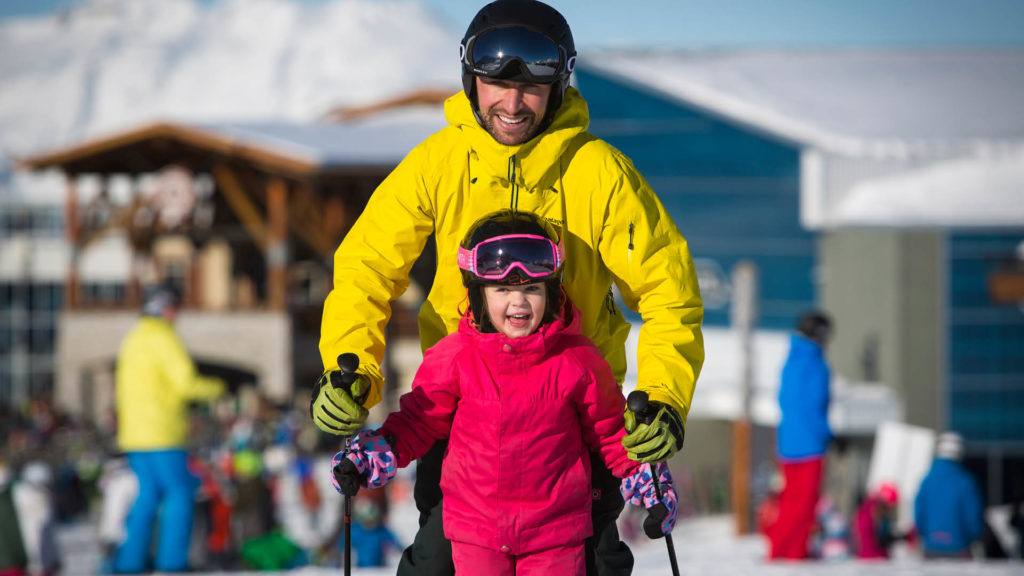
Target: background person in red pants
803,435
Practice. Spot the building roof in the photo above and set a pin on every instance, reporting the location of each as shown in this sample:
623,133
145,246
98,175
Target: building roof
374,141
871,103
289,148
972,192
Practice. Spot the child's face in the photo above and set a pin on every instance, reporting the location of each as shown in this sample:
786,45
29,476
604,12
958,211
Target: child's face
516,311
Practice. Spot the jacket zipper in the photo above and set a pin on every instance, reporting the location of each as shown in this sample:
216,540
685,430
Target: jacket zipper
514,200
629,251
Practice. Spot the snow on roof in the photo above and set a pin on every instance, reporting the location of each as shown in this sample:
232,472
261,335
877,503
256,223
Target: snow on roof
382,139
971,192
851,102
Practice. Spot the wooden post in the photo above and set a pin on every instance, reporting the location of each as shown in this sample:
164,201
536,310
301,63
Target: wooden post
133,284
72,231
741,475
744,318
277,244
194,298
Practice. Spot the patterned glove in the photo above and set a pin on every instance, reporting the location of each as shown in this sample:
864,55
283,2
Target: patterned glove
368,462
336,411
657,441
638,490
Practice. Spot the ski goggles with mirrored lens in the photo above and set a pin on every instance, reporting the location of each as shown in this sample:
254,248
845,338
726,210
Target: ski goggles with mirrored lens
542,60
495,258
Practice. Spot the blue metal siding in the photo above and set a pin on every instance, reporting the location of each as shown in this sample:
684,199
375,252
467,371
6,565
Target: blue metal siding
733,193
986,343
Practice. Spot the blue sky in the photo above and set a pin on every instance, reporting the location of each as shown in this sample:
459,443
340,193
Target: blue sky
735,23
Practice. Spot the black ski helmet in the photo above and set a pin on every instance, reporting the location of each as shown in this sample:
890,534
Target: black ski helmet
531,15
505,223
815,325
157,298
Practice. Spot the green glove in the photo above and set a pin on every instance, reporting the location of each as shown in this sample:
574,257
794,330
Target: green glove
656,441
334,410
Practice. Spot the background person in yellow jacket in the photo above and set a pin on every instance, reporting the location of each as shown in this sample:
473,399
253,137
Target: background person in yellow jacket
517,139
156,379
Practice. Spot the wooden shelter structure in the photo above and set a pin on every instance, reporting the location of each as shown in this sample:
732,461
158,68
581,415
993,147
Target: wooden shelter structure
273,200
291,204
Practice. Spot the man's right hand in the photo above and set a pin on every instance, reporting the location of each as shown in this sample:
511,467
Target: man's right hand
336,411
657,441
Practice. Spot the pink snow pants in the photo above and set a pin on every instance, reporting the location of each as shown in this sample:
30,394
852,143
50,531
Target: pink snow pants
471,560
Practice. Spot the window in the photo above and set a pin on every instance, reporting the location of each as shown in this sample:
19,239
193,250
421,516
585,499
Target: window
986,341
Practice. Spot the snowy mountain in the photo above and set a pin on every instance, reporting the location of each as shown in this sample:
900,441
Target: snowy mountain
110,64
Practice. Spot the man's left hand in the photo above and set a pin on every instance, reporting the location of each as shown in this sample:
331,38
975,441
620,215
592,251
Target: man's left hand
657,441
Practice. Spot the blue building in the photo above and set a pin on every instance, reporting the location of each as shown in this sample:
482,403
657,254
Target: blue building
884,186
734,192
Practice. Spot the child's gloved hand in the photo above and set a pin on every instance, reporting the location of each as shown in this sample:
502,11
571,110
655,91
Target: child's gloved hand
369,462
638,490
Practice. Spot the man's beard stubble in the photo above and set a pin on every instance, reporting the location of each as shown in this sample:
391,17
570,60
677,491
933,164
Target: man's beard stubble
491,121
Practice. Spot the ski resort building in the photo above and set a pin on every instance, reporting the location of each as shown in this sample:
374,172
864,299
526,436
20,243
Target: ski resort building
243,218
886,187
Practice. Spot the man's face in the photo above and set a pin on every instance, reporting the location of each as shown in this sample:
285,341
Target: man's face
511,111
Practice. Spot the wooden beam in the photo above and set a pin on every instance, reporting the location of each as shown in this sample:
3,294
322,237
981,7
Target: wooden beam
133,285
71,229
741,432
276,251
193,298
241,204
419,97
306,219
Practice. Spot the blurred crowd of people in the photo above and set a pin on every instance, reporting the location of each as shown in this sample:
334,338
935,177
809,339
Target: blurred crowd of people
801,521
259,494
263,498
948,519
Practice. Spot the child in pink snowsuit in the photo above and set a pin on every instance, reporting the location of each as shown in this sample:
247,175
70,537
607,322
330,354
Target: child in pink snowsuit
523,397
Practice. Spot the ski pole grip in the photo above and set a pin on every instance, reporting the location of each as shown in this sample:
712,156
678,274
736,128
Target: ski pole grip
348,363
637,402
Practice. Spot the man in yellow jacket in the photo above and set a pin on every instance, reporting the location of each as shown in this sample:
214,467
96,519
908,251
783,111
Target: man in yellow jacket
156,379
517,139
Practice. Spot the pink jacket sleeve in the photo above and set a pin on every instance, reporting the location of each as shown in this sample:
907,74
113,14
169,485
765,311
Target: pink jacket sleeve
425,413
600,407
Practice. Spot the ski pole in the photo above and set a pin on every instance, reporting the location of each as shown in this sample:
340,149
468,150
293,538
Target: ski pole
348,363
637,402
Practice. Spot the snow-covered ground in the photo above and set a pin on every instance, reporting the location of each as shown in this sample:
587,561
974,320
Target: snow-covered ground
705,545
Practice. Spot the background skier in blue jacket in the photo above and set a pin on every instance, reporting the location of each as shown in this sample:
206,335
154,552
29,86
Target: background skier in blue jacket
803,435
948,508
